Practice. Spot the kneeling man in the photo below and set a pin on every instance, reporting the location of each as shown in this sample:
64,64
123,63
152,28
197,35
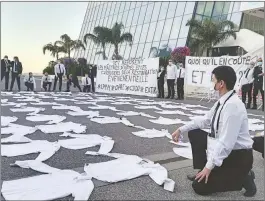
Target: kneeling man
30,82
227,164
46,81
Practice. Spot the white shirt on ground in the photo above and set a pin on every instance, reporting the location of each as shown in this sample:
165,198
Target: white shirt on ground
45,78
59,68
172,72
86,81
181,73
247,77
30,80
233,132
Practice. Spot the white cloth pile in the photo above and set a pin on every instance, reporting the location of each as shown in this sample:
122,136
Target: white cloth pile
6,120
167,121
62,127
32,110
152,133
52,119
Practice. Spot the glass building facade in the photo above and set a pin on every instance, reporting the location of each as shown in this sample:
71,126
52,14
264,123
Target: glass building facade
159,26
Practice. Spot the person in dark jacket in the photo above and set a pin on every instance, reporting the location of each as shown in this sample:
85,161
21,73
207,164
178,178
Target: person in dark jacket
5,70
161,81
258,144
258,84
72,79
17,70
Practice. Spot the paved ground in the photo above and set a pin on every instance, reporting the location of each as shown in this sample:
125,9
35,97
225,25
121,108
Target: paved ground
157,149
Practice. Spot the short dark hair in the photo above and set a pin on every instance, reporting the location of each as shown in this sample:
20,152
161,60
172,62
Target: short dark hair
227,74
6,56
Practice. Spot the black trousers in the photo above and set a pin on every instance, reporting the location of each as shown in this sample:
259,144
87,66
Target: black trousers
29,86
86,88
92,83
247,91
60,77
170,88
258,144
229,176
45,84
15,77
180,88
6,76
160,85
258,87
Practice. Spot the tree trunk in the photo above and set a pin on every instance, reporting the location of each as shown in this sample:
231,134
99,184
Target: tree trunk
69,54
104,52
57,56
116,50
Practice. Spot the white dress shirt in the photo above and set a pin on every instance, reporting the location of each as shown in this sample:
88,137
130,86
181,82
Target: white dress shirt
45,79
30,80
181,73
86,81
247,77
233,132
59,68
172,72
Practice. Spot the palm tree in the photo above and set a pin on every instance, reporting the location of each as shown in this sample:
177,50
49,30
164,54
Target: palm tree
116,38
208,33
100,37
69,45
54,49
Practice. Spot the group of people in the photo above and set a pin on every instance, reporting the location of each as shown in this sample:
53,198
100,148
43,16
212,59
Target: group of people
252,83
16,69
174,75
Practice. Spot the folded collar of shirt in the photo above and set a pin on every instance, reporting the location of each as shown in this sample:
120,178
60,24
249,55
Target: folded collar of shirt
225,96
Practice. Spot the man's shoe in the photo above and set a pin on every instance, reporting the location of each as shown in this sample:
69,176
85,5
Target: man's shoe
248,106
250,185
191,177
254,107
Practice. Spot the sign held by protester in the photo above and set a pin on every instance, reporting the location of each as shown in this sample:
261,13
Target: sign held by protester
133,76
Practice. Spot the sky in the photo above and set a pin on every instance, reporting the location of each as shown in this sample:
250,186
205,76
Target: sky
27,26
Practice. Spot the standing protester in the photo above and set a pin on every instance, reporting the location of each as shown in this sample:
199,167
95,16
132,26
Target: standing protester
93,74
76,82
59,71
171,77
16,72
5,70
86,82
30,82
180,82
161,81
258,84
227,164
46,80
247,84
72,79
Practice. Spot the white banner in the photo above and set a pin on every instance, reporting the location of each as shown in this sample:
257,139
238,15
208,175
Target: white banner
199,69
134,76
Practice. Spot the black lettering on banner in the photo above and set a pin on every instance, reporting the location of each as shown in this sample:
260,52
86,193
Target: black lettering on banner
241,73
197,73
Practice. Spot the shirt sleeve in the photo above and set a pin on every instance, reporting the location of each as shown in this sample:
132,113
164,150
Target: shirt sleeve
41,83
55,70
64,70
199,122
34,84
231,123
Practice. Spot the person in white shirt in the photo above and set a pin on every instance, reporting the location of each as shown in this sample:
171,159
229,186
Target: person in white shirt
171,77
46,80
30,82
227,164
86,82
247,84
180,82
59,71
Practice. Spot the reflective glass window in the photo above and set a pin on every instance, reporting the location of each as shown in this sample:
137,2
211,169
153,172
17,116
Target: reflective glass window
140,50
163,44
156,11
124,18
163,10
171,9
208,8
123,3
198,17
101,22
200,7
142,14
159,30
132,31
189,7
127,5
137,34
127,52
175,27
144,33
111,51
149,11
236,18
112,8
117,7
129,19
167,29
133,51
138,4
226,7
172,44
108,9
185,29
110,21
181,42
135,16
218,8
231,7
236,6
133,4
119,19
115,17
146,50
180,8
144,3
151,32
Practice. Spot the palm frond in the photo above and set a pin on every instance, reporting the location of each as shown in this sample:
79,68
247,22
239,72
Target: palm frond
92,37
126,37
65,38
